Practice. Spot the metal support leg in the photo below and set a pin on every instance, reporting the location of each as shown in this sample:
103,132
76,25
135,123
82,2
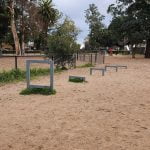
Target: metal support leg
52,75
90,71
28,74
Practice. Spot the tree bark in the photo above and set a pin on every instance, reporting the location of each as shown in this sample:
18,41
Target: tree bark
13,28
147,52
22,28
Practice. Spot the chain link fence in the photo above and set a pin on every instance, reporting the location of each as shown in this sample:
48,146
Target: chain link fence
92,58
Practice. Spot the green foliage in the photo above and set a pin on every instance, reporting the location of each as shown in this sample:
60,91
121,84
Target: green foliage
62,41
19,75
48,12
76,80
39,72
115,28
42,91
86,65
94,19
4,21
10,76
135,21
60,69
49,16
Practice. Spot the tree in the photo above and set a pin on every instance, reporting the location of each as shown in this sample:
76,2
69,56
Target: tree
62,41
137,13
22,7
94,19
4,21
27,21
11,6
126,30
48,15
116,29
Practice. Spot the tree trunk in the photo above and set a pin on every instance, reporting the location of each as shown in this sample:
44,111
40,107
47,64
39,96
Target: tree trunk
133,51
147,52
22,46
13,28
22,28
45,30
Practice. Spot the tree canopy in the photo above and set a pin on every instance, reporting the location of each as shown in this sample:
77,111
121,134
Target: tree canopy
94,19
4,21
135,21
62,40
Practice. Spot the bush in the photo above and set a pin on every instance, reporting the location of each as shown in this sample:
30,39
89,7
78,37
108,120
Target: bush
86,65
13,75
43,91
76,80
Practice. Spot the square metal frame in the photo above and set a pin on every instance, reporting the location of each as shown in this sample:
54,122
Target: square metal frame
51,64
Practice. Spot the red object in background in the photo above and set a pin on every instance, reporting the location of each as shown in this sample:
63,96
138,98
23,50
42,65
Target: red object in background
110,51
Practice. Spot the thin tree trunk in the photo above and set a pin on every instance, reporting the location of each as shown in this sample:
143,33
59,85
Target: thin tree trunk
22,28
133,51
45,36
147,52
22,45
13,28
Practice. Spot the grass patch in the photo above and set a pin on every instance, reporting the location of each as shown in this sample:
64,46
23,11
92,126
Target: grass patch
59,69
20,75
76,80
86,65
12,75
42,91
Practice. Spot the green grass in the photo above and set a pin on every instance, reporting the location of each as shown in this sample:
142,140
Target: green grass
20,75
59,69
42,91
76,80
86,65
12,75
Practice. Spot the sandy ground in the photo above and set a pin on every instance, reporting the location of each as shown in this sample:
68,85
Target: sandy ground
106,113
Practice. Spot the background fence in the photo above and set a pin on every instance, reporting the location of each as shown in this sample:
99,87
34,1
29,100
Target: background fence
19,62
93,58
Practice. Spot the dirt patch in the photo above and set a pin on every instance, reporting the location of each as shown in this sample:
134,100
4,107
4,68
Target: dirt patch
110,112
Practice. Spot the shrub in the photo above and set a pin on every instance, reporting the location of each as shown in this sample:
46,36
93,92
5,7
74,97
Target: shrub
43,91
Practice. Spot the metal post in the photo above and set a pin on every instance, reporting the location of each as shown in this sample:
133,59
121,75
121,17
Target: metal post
52,75
103,71
75,61
28,73
90,71
16,63
116,69
91,58
96,57
104,57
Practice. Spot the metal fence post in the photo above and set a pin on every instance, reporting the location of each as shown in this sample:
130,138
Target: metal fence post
104,57
16,63
28,73
52,75
96,57
91,59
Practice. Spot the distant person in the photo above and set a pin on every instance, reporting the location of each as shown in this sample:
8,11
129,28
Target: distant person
110,51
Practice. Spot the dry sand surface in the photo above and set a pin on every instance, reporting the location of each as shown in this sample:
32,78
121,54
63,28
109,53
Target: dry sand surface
106,113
